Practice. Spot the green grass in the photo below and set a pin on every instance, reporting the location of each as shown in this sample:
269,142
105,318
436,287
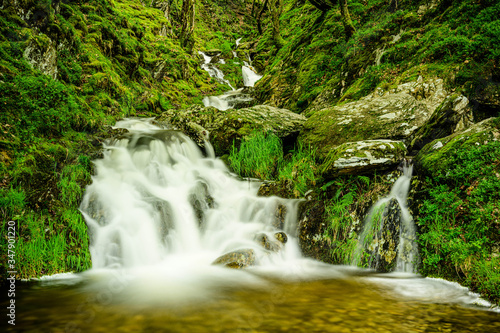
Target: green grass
260,155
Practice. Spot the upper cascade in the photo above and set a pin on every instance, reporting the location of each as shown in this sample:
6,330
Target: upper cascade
235,97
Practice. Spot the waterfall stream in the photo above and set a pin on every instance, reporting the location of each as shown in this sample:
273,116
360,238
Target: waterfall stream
388,239
235,96
158,201
161,212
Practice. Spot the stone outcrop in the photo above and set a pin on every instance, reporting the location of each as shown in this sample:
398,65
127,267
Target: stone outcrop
237,259
396,114
453,115
434,156
42,55
363,156
225,127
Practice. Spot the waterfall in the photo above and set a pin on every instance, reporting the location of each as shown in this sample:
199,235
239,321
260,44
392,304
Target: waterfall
388,239
234,97
156,197
213,71
250,76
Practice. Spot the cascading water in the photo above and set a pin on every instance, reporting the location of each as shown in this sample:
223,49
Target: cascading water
156,198
213,71
159,212
250,76
388,239
230,98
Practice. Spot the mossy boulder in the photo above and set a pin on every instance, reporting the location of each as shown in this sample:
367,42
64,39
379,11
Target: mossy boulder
453,115
434,157
353,158
237,259
225,127
42,55
396,114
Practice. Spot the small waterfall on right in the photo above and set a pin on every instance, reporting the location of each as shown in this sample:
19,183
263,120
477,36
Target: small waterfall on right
388,239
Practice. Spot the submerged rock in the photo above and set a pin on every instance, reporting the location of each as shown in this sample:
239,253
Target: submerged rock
269,244
237,259
281,236
226,127
363,156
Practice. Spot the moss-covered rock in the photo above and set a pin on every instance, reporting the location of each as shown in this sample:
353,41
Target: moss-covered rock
226,127
353,158
434,157
453,115
394,114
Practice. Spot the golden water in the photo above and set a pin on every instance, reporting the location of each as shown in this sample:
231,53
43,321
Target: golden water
353,304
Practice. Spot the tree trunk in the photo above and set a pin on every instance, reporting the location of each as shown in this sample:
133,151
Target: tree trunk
323,5
393,5
276,8
346,20
187,21
259,17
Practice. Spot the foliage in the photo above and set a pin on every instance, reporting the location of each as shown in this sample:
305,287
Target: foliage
459,219
300,169
258,156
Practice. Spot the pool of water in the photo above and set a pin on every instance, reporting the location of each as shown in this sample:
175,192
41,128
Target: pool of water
340,299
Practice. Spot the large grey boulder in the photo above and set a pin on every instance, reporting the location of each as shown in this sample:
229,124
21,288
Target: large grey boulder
225,127
395,114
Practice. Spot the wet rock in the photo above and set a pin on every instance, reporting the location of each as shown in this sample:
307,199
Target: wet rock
226,127
384,246
237,259
311,230
269,244
281,236
396,114
360,157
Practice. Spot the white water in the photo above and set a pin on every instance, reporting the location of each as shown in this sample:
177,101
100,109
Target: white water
148,246
250,76
230,98
140,209
407,253
213,71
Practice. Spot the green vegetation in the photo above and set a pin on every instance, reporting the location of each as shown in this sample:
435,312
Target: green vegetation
122,58
260,155
459,219
455,40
